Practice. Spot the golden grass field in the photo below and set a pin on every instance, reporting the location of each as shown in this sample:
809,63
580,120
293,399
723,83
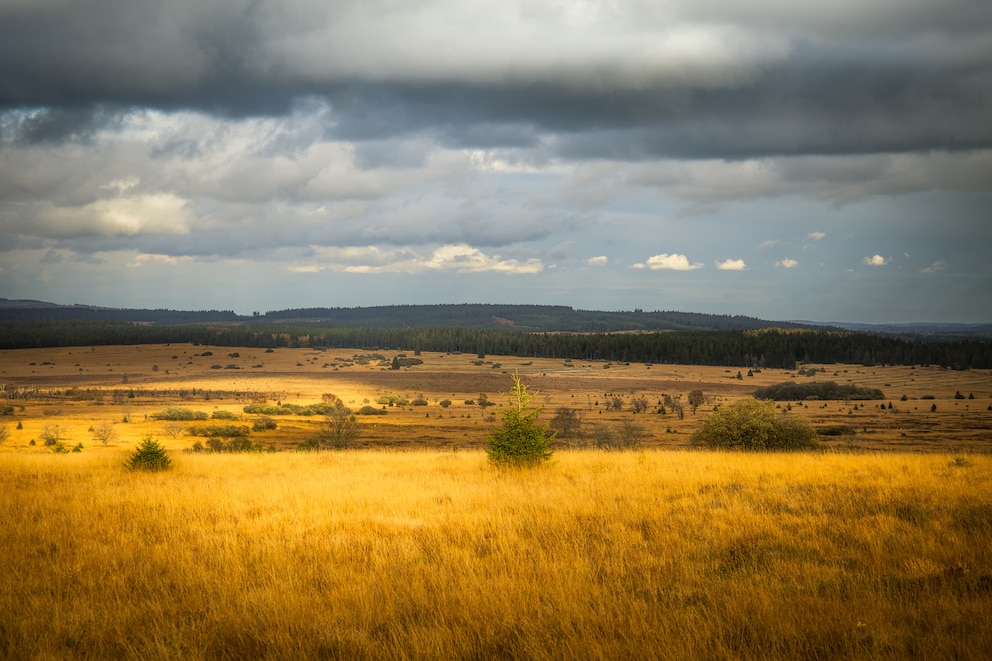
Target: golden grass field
880,548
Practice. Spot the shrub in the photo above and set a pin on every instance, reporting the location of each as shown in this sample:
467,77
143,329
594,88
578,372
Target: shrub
339,432
836,430
263,424
370,410
566,423
52,434
149,456
791,391
179,413
222,431
520,440
752,424
624,436
225,415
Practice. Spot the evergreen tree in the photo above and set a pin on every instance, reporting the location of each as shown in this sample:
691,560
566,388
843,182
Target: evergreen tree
521,440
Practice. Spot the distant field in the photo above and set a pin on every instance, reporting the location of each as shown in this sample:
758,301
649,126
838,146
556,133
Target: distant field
79,388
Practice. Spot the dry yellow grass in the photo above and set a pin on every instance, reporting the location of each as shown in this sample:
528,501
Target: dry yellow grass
427,554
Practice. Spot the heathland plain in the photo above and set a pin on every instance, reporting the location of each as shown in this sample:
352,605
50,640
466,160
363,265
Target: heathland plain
413,546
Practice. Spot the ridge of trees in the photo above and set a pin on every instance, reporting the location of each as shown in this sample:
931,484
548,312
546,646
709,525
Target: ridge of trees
468,315
780,348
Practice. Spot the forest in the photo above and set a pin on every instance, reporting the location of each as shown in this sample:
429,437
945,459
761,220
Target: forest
771,347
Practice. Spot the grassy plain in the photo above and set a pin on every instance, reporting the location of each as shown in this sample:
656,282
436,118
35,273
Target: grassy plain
79,388
429,554
881,548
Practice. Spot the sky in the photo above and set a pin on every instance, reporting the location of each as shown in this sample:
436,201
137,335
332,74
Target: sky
784,160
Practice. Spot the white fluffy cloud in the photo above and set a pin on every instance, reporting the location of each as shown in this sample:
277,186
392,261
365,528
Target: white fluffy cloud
875,260
731,265
787,263
816,236
372,259
666,262
601,260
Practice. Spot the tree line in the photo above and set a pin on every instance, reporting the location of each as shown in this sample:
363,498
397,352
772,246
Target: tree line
778,348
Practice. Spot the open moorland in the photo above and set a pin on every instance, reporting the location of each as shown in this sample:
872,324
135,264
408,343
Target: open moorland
81,390
878,549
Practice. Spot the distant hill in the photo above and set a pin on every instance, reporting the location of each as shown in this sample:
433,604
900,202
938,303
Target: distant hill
543,318
534,318
28,310
922,330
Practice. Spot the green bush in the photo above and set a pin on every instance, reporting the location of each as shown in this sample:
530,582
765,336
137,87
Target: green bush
752,424
225,415
177,413
149,456
294,409
795,392
263,424
370,410
520,440
219,431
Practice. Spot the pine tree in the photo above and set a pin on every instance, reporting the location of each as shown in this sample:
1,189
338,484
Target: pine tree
521,440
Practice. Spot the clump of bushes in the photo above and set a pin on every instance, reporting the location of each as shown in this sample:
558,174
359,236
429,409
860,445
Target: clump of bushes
836,430
393,400
624,436
225,415
795,392
293,409
222,431
177,413
753,424
263,424
149,456
370,410
242,444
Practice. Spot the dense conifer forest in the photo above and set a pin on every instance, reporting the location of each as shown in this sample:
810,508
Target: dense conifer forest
770,347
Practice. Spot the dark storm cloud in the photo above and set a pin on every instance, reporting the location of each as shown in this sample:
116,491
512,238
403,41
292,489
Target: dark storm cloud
56,125
854,80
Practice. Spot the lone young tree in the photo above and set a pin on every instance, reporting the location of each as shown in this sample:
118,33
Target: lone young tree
520,440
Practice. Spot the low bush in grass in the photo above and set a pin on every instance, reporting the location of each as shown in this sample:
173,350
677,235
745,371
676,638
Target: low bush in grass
370,410
836,430
177,413
293,409
242,444
795,392
220,431
753,424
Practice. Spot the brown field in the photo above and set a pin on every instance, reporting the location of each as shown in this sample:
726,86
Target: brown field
79,388
879,550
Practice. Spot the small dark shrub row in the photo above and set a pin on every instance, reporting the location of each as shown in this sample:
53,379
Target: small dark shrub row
179,413
795,392
293,409
222,431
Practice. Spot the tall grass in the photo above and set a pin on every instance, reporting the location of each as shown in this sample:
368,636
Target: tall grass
439,555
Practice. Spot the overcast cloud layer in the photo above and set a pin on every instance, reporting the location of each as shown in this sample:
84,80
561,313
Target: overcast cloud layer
769,158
